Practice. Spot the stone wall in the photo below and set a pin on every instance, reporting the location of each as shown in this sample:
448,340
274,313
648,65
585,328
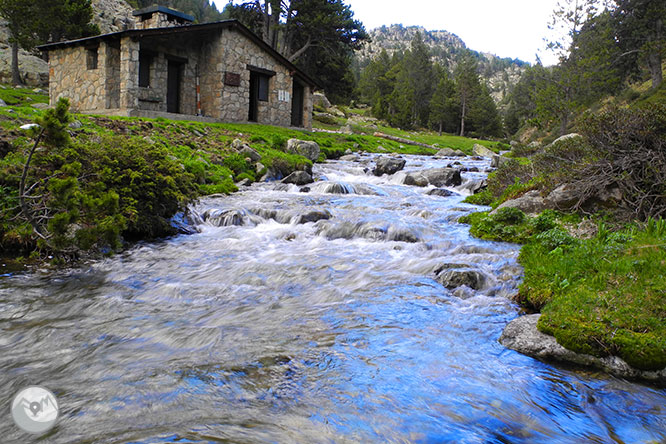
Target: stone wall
114,83
232,53
69,76
159,20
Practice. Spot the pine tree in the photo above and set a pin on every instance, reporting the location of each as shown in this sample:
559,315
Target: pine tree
443,104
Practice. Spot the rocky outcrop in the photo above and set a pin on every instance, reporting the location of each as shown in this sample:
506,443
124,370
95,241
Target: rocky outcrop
529,203
33,70
523,336
112,15
320,100
388,165
438,177
307,149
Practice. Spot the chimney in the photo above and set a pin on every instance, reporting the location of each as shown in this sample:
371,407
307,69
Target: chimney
160,17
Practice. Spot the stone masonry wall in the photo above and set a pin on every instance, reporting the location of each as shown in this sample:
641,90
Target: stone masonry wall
70,77
231,53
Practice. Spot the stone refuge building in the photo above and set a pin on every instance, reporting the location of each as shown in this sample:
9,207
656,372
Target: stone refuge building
168,67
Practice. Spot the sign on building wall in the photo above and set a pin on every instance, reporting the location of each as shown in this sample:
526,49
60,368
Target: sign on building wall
284,96
232,79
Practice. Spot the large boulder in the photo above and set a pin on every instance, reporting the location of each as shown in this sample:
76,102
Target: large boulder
566,137
443,177
529,203
320,100
298,178
480,150
523,336
388,165
34,71
305,148
449,152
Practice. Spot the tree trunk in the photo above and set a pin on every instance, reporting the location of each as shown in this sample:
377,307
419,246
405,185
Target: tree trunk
441,126
16,75
654,62
462,119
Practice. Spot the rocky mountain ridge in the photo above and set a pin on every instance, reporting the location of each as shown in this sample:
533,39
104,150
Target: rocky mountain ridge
109,15
500,74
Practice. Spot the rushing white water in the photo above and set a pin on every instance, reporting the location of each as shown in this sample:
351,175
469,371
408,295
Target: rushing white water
298,316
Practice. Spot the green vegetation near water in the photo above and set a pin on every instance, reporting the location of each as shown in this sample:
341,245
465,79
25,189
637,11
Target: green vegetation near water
603,293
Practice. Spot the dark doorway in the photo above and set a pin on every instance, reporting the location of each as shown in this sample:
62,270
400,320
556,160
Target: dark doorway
297,105
254,97
173,86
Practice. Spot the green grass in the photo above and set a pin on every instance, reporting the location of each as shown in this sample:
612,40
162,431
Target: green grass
21,96
602,296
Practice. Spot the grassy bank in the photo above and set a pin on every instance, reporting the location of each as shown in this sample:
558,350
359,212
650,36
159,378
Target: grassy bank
597,271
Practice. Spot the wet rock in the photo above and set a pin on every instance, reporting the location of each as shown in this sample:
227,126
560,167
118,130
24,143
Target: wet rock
388,165
313,216
298,178
454,278
522,335
443,177
349,158
529,203
416,179
307,149
304,190
244,183
441,192
224,218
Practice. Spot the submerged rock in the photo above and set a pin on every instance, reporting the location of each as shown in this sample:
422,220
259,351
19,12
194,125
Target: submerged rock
312,216
458,277
523,336
441,192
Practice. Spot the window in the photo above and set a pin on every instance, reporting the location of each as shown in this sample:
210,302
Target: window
91,58
262,91
145,60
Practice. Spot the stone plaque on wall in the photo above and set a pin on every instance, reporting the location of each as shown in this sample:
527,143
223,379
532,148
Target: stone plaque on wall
232,79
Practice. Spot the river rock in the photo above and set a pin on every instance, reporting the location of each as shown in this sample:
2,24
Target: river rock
441,192
313,216
415,179
480,150
529,203
248,151
2,103
522,335
349,158
443,177
304,148
388,165
457,277
298,178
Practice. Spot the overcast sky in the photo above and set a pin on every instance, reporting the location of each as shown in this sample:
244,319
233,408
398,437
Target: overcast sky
507,28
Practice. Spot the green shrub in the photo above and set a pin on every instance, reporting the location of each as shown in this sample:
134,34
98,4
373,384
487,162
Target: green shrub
509,215
485,197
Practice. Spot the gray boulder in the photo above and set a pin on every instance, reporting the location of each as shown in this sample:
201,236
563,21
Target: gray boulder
563,197
2,103
522,335
449,152
443,177
441,192
349,158
566,137
497,161
320,99
415,179
388,165
529,203
480,150
458,277
303,148
298,178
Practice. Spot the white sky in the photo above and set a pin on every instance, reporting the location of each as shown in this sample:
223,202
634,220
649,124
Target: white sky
507,28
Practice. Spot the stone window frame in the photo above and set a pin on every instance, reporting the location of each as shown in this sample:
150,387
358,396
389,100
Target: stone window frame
146,60
92,57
